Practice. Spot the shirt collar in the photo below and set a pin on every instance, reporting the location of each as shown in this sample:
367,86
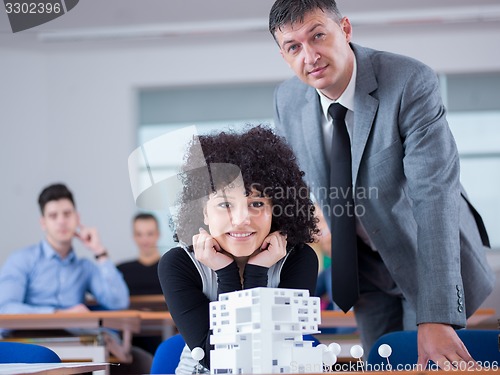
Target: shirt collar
49,252
347,97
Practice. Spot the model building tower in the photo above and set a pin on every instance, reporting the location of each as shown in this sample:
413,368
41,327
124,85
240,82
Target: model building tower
259,331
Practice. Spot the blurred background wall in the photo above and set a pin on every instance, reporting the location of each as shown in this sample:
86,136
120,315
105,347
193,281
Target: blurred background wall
69,89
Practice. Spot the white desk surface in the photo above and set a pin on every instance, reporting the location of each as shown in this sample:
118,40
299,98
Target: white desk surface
50,368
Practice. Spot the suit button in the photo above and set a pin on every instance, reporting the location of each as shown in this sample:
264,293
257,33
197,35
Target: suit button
459,294
460,302
460,309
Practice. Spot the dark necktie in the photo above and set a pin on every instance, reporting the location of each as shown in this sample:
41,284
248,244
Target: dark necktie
345,289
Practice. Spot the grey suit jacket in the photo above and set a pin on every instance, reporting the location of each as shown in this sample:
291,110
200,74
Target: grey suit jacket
405,170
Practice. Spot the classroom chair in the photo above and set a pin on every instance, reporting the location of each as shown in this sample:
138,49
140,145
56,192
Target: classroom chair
167,355
18,352
483,346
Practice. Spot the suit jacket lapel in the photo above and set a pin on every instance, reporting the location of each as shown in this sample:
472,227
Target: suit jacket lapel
365,106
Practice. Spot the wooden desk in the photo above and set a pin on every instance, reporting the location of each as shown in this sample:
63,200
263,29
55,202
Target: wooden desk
145,302
337,318
153,302
78,368
133,321
481,316
50,368
425,372
158,321
127,322
162,320
121,320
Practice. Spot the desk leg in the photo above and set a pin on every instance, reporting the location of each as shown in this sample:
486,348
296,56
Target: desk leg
168,330
74,353
122,350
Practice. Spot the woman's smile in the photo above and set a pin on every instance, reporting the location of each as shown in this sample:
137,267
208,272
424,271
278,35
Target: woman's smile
237,220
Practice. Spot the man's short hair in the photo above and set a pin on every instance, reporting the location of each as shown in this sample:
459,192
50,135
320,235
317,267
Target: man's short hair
145,216
288,12
54,192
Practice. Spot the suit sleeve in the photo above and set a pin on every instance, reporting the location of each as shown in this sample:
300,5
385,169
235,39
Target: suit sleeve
431,167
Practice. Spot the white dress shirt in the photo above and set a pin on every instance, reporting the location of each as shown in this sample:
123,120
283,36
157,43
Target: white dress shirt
346,99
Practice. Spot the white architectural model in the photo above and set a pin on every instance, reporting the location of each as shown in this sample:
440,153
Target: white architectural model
259,331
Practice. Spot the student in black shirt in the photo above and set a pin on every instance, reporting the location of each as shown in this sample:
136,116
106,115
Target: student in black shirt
141,275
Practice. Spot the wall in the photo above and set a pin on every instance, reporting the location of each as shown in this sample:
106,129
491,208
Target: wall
70,114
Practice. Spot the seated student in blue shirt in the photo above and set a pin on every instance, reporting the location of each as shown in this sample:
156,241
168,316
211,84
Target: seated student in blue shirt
48,277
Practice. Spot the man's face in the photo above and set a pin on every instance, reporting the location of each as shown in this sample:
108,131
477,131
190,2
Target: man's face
318,51
146,235
59,221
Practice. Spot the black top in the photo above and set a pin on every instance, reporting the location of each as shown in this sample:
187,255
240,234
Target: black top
183,288
140,279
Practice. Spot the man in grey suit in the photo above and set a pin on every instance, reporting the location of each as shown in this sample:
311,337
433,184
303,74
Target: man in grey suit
421,245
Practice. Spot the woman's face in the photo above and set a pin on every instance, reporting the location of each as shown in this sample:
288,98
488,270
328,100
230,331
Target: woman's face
237,221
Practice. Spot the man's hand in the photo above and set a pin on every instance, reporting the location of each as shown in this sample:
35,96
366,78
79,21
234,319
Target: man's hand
272,250
441,344
74,309
208,251
90,239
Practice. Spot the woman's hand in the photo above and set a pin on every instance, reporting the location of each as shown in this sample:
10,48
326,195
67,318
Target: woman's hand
272,250
208,251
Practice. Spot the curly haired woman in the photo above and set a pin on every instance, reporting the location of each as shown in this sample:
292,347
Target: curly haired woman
246,211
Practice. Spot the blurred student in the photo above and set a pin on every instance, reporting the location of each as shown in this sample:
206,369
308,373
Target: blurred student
48,276
141,275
